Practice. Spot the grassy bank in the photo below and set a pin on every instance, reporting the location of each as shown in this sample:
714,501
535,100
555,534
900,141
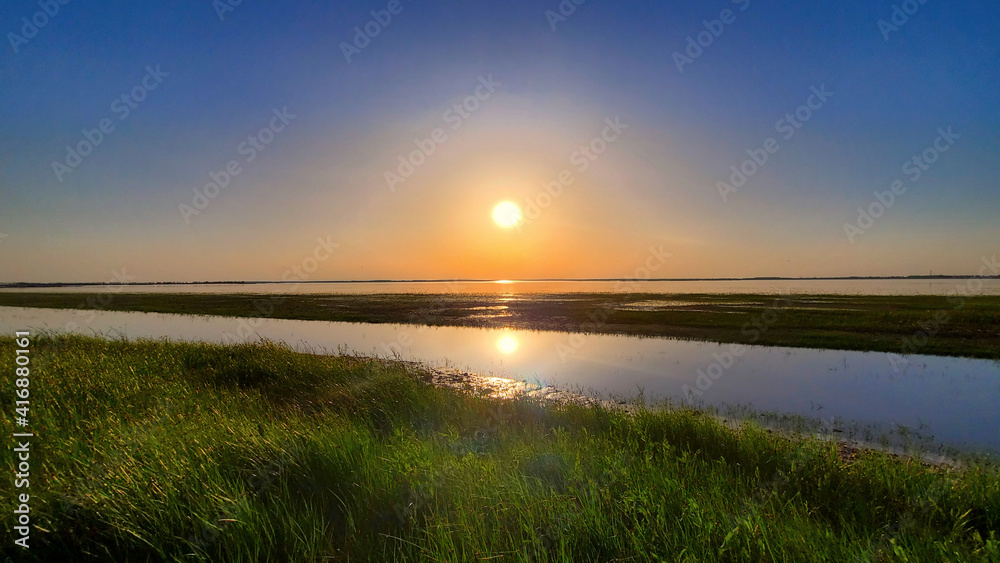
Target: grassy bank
150,451
966,326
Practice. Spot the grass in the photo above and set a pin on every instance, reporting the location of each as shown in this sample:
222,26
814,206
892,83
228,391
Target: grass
158,451
966,326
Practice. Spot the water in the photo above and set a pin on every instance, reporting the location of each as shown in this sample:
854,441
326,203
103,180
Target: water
954,400
806,287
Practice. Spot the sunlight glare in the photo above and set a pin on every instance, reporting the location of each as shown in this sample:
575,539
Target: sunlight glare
507,345
507,214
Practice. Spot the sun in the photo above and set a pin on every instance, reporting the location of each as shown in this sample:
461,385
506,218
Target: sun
507,214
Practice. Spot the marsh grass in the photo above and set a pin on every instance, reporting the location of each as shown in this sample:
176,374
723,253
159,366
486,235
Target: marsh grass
152,451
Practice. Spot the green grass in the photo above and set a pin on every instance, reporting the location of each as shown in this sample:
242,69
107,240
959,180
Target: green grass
153,451
953,326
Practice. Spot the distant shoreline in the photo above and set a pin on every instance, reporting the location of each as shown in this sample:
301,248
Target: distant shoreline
26,285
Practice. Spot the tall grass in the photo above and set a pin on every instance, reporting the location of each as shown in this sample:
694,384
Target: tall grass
152,451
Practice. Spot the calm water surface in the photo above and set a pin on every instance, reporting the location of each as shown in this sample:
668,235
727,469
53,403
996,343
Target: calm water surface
952,399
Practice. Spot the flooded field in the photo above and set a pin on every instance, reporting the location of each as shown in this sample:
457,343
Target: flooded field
947,400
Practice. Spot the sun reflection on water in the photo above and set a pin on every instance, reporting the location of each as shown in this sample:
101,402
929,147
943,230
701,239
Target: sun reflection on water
507,344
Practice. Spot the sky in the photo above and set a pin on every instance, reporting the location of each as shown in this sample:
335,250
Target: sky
202,140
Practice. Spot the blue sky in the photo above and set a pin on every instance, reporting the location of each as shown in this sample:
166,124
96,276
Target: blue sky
324,173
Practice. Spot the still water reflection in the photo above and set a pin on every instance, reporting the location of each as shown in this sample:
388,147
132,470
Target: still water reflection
954,400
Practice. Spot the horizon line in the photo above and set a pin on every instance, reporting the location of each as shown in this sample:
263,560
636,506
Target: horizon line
499,281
